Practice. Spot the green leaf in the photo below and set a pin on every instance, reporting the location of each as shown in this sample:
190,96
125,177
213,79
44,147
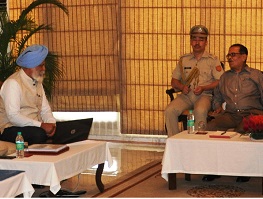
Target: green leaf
11,46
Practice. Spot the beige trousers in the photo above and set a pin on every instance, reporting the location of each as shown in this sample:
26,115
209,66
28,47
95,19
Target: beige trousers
200,104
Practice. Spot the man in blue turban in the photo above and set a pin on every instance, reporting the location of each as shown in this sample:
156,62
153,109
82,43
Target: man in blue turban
23,103
32,56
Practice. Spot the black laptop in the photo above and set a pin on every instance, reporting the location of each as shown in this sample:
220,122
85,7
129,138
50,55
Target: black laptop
72,131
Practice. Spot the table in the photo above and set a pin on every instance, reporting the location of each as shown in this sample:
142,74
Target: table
50,170
199,154
14,183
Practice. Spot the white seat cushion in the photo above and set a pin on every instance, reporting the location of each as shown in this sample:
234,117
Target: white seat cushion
3,148
7,148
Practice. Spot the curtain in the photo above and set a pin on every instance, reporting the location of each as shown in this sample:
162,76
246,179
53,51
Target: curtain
118,55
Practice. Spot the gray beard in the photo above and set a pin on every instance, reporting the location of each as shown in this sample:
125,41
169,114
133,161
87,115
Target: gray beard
39,79
38,76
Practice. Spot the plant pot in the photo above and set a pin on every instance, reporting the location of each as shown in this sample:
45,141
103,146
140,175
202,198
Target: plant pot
256,136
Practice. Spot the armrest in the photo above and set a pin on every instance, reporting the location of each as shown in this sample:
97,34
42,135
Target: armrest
170,92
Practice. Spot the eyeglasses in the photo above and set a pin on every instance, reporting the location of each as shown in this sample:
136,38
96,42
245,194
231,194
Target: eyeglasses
232,54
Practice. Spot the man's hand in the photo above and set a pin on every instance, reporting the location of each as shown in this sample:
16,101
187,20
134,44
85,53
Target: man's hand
219,110
50,128
186,90
198,90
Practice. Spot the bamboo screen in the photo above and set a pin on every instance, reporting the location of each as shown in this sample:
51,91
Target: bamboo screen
118,55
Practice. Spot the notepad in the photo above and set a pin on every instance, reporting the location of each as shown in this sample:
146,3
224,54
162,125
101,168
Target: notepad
55,148
222,134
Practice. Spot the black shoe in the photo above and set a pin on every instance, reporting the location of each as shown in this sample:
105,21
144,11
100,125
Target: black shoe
37,186
209,178
242,179
47,194
65,193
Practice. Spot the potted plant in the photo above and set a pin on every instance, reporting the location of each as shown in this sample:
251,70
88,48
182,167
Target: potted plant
253,125
11,45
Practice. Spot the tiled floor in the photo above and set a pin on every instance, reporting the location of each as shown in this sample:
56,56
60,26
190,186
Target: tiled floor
126,158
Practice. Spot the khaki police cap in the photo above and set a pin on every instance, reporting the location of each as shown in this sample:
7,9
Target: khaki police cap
199,31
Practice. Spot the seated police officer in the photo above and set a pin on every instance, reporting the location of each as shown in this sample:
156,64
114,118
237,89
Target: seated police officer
196,75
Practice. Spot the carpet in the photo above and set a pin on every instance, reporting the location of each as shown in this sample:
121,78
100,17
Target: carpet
215,191
146,182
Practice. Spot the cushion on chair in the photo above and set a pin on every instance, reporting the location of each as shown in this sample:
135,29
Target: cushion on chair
11,148
3,148
7,148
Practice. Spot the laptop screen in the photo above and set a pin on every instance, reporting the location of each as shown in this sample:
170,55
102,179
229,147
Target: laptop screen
72,131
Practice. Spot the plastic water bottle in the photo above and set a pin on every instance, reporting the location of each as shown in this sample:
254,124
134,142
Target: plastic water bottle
191,122
19,145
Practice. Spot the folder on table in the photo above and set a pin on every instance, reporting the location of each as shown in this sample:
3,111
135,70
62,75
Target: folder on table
46,149
222,134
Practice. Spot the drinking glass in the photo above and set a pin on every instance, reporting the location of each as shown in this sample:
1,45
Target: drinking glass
201,126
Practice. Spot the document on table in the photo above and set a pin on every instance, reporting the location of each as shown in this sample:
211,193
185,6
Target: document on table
222,134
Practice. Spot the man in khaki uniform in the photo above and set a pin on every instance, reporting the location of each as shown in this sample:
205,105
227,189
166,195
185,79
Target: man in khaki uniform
196,75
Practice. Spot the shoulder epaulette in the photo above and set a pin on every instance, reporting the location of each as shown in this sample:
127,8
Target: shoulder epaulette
185,55
212,56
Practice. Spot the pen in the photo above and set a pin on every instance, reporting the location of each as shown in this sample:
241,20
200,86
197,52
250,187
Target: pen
223,133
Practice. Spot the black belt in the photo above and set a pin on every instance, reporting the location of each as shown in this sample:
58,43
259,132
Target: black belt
243,110
253,111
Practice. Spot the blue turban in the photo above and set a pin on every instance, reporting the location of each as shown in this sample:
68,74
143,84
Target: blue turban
32,56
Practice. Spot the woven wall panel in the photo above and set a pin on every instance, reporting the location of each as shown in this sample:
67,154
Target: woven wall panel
118,55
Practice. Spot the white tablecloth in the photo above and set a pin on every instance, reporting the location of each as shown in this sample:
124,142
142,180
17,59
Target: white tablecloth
50,170
199,154
16,185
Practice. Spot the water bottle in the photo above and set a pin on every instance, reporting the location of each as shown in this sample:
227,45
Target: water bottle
191,122
19,145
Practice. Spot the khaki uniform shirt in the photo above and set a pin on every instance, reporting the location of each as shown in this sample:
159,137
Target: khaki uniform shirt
209,66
